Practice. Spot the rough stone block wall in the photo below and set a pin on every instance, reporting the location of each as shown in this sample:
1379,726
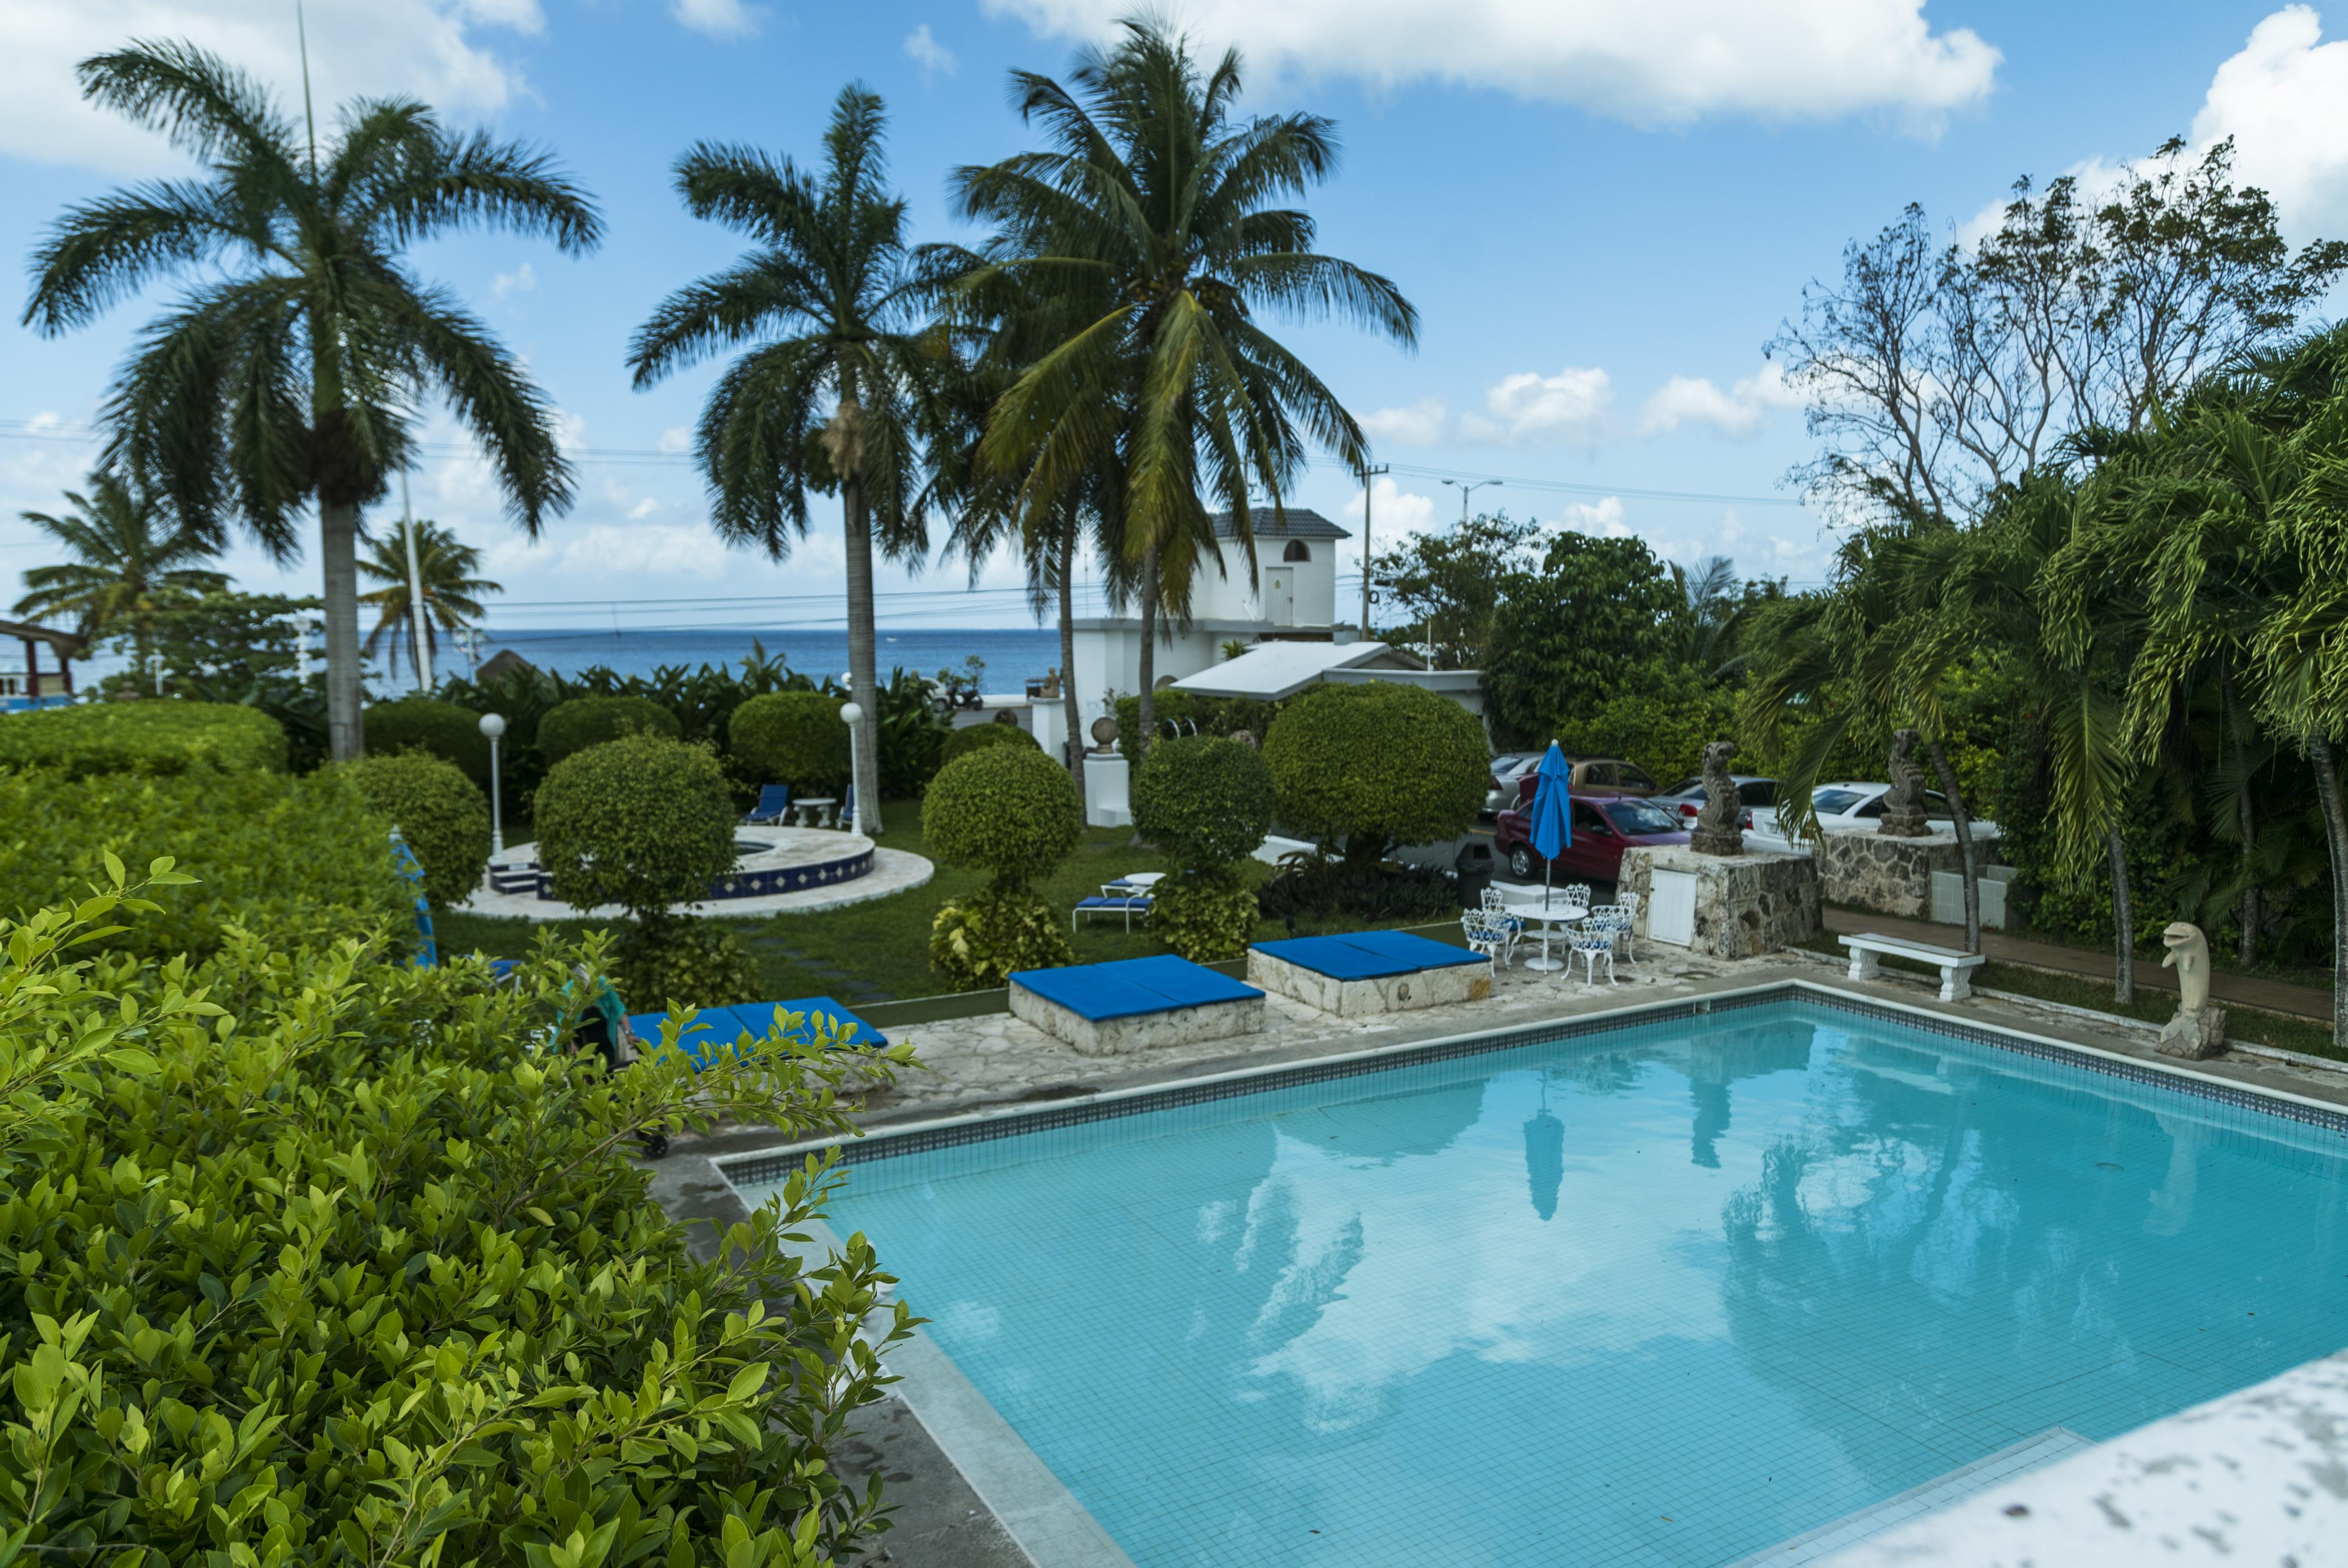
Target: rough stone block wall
1745,904
1870,870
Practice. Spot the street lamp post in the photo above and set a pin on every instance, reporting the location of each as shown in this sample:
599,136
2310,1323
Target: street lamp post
493,725
1466,488
852,715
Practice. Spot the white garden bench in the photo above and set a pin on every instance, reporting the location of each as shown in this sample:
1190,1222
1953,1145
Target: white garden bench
1868,948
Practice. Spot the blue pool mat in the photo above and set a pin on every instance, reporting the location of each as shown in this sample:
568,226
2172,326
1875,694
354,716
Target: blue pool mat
714,1026
1369,955
1131,987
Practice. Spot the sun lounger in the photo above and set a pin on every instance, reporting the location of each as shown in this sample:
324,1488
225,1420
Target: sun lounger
715,1029
774,802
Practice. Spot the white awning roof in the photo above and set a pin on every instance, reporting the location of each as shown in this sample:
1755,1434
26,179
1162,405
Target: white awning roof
1272,671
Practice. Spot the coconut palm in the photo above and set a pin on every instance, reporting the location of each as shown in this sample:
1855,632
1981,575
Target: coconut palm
445,568
842,382
129,557
1153,199
295,366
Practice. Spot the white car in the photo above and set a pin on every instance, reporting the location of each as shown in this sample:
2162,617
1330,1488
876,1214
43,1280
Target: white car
1848,805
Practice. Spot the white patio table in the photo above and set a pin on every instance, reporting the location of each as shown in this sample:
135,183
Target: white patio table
1544,908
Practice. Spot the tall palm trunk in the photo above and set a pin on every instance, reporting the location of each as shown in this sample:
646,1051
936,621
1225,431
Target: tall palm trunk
862,656
2123,921
1963,822
2335,834
1069,705
1146,720
338,553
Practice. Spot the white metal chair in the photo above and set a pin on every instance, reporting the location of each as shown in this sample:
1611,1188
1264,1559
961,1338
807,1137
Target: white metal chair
1575,892
1590,944
1496,906
1487,935
1630,907
1608,919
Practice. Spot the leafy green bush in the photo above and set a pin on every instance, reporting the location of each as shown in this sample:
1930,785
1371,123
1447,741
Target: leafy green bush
1568,636
912,737
1663,724
293,859
1009,811
442,813
428,725
791,737
1208,715
978,943
1205,916
696,962
150,736
1376,766
978,737
569,728
1205,801
642,822
313,1260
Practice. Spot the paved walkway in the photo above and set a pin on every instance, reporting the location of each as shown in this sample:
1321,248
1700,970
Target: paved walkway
2246,991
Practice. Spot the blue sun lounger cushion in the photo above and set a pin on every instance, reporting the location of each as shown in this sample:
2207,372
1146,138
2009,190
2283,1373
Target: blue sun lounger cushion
1369,955
717,1029
1131,987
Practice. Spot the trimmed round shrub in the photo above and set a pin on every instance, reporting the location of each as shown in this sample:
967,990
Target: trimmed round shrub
977,944
1009,811
1205,916
1376,766
428,725
979,737
569,728
695,962
158,739
791,737
1205,801
642,822
441,814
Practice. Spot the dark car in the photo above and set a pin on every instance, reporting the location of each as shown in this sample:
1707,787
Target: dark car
1603,827
1687,797
1597,777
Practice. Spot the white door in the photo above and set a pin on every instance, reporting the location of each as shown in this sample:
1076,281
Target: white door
1670,908
1279,595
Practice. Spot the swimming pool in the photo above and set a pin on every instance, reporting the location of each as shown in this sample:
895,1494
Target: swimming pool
1661,1294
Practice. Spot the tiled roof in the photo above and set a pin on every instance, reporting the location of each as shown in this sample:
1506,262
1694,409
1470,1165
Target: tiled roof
1290,523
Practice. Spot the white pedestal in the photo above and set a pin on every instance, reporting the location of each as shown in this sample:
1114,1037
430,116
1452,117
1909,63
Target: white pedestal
1109,801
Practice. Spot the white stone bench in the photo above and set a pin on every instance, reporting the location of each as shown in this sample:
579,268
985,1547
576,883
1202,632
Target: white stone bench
1956,969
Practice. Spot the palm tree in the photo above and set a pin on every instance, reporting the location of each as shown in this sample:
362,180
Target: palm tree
445,568
1152,200
841,380
127,560
295,366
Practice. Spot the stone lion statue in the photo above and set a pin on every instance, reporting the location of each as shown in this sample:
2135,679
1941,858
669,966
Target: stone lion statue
1903,807
1719,826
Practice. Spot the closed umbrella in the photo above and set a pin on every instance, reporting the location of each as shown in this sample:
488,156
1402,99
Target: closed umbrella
1552,826
1544,1155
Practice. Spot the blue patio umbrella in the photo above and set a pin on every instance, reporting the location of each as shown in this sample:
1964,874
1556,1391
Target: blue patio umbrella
1552,813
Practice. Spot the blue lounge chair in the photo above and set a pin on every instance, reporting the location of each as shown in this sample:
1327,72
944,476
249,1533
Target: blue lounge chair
773,801
715,1029
1127,904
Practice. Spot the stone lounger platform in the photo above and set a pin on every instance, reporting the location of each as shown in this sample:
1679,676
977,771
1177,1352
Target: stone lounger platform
1368,972
1119,1008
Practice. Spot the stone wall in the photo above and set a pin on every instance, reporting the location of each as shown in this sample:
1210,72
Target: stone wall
1864,869
1745,904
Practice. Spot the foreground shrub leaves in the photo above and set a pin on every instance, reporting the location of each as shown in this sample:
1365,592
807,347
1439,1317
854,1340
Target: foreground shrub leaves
310,1257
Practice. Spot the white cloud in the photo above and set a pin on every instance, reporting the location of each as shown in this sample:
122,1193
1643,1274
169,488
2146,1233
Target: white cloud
1423,423
427,48
1602,516
522,280
716,18
1739,412
1664,62
934,57
674,439
2285,100
1569,408
1393,511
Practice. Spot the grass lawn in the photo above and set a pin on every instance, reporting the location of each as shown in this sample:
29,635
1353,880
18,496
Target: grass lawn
2302,1035
885,944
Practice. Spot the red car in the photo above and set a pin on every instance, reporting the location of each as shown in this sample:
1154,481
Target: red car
1603,827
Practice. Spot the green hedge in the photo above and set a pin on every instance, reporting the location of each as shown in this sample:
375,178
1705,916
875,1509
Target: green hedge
1009,811
1208,715
791,737
428,725
150,736
642,822
1378,765
978,737
293,859
1205,801
569,728
442,814
316,1259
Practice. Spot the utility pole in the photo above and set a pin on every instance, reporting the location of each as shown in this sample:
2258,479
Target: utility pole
1369,479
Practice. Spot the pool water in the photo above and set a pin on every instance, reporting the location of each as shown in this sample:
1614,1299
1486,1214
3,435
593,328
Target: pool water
1667,1294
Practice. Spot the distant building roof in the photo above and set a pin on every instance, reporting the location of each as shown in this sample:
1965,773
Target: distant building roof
1289,523
1272,671
499,665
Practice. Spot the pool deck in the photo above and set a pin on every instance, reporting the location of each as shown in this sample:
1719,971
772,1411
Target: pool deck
1000,1065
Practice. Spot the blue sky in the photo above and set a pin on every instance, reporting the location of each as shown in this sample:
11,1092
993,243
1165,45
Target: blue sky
1601,211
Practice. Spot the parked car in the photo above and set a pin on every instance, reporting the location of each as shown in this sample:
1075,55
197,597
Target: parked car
1848,804
1603,827
1606,777
1506,768
1687,797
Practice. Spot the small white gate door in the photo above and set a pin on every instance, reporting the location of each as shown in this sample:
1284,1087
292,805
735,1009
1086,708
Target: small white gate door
1279,595
1670,908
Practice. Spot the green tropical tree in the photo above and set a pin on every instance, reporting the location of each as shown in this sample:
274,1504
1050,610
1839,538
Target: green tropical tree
130,557
451,593
295,365
1157,203
841,384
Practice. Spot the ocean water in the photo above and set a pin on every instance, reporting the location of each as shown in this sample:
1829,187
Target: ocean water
1666,1295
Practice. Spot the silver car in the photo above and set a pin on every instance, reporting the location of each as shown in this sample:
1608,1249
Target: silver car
1685,798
